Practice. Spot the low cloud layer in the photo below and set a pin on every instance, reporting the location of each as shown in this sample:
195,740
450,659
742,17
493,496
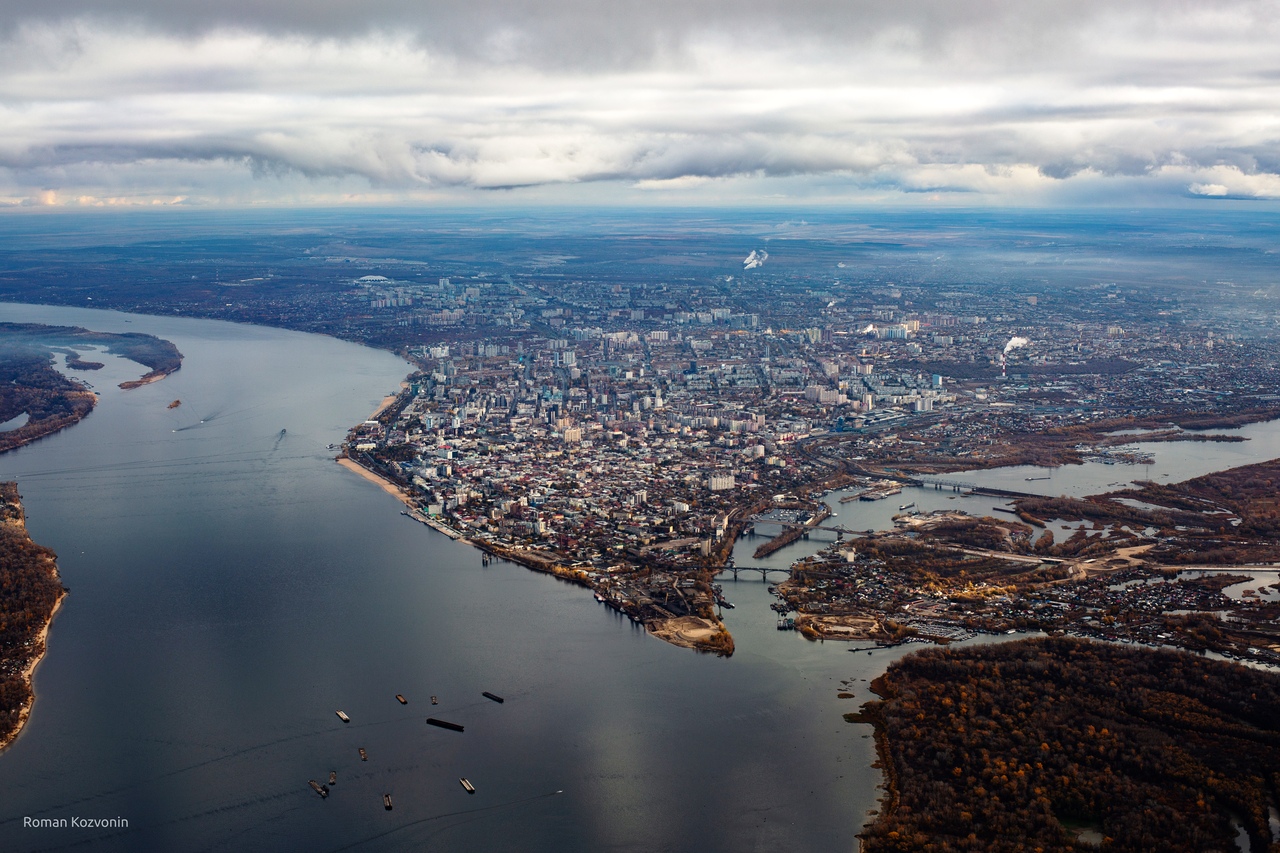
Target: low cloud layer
988,102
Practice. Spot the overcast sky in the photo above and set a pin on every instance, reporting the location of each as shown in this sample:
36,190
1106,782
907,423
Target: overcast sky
973,102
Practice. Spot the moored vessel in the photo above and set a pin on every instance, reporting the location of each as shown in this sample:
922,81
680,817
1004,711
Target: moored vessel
318,788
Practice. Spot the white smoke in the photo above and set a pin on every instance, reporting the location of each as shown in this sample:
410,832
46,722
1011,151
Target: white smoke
1015,343
871,327
755,259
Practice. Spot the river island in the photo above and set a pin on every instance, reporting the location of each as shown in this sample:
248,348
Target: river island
32,387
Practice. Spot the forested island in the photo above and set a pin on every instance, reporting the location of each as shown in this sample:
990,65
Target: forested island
1064,744
31,385
32,594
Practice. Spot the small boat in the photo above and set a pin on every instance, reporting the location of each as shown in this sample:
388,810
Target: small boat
364,756
318,788
435,701
333,777
386,802
444,724
471,789
175,404
342,715
496,698
401,699
905,506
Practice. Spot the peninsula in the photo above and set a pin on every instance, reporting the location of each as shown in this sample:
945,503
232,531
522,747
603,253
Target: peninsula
31,387
33,594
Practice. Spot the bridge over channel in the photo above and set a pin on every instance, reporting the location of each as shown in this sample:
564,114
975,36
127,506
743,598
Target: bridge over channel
764,572
757,519
960,486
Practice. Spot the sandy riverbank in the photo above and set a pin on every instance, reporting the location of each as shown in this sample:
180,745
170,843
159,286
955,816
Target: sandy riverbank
841,627
386,485
28,674
153,376
693,632
387,401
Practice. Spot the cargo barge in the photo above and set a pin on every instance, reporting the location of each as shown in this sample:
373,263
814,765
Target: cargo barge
444,724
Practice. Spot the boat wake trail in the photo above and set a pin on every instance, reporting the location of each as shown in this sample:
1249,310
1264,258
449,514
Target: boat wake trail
478,813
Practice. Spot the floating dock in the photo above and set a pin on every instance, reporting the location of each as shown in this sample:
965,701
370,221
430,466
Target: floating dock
495,697
444,724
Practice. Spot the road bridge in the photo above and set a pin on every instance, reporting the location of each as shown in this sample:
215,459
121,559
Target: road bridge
764,572
960,486
802,526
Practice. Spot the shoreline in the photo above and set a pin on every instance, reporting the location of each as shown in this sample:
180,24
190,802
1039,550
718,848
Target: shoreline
38,567
381,482
387,401
719,641
28,674
146,379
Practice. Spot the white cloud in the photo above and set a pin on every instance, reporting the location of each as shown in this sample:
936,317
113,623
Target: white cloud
1031,106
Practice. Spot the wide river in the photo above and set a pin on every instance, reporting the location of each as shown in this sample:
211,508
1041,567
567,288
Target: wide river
231,587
